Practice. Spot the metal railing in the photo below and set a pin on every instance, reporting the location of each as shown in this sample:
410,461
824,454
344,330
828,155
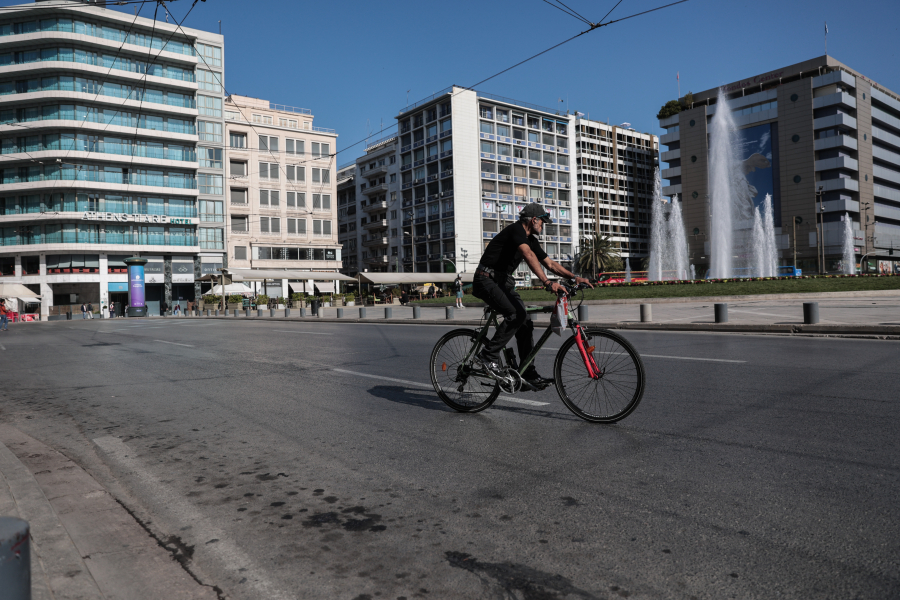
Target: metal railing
426,100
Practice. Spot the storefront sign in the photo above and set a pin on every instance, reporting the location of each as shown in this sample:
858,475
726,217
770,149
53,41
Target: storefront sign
155,272
210,268
182,272
127,218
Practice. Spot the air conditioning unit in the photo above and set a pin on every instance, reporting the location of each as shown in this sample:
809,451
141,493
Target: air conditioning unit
507,177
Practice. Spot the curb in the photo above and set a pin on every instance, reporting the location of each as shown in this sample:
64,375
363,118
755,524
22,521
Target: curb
882,331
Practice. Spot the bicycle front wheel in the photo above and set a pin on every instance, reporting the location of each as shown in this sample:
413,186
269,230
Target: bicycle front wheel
615,393
453,379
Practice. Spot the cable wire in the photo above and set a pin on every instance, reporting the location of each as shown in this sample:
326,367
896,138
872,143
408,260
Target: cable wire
575,12
571,14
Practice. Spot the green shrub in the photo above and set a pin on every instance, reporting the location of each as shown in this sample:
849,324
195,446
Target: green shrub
262,299
235,299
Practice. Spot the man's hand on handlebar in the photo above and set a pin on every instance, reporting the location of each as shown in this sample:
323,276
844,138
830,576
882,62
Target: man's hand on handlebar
555,287
584,281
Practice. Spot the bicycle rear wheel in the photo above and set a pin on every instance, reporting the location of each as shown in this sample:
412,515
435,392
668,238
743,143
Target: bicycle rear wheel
454,380
615,393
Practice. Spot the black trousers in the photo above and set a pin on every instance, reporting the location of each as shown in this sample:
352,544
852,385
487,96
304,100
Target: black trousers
504,299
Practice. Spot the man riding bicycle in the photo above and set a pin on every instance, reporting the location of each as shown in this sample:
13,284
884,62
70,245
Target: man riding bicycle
494,283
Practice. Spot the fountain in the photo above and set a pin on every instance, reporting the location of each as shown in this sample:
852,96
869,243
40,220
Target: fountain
742,238
668,242
627,270
693,273
849,262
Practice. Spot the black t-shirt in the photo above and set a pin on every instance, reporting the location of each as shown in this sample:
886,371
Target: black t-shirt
503,254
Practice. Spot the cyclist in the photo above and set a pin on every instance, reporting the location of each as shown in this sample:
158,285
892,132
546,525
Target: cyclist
494,284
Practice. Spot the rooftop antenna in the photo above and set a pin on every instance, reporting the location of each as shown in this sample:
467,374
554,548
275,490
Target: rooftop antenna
220,26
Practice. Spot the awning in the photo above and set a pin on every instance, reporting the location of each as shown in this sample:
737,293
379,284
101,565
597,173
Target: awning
232,288
266,274
16,290
411,278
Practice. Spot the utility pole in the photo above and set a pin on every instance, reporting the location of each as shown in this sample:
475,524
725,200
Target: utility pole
820,230
464,253
796,221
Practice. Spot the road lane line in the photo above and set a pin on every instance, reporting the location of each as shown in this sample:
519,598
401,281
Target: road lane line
309,332
2,346
225,551
174,343
693,358
430,387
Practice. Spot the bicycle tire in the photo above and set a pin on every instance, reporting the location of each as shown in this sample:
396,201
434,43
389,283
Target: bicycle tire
613,396
471,395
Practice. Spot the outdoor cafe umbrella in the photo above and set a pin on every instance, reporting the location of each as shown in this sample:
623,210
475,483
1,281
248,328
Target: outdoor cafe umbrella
16,290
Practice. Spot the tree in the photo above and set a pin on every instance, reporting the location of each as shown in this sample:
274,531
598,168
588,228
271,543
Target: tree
672,107
598,254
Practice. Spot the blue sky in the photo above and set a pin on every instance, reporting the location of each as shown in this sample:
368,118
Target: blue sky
352,62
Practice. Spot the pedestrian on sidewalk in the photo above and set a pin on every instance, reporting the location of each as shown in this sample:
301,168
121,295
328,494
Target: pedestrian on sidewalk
177,309
4,315
83,310
163,307
458,288
112,310
90,310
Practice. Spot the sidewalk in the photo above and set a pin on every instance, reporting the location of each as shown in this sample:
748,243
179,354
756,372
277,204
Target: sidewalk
84,544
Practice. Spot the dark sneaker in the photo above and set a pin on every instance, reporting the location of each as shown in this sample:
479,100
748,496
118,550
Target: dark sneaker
533,379
489,366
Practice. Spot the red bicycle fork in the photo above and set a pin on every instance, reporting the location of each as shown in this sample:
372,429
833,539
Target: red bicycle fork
587,354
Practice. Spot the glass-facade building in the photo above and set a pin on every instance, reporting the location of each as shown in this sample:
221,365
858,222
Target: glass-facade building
111,134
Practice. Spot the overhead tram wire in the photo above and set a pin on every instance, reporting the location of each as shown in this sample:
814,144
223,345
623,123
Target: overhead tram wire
575,12
52,5
571,14
610,11
137,125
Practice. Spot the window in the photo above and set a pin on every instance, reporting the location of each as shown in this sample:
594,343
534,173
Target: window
296,199
231,115
316,175
268,143
210,55
209,106
290,172
209,131
211,238
268,170
209,81
240,253
264,119
269,198
209,184
487,147
446,145
238,168
393,214
317,202
211,157
486,112
503,115
238,196
296,226
322,228
487,127
326,201
294,146
212,211
239,224
326,175
237,140
393,176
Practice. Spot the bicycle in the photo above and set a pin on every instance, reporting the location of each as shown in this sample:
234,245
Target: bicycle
598,374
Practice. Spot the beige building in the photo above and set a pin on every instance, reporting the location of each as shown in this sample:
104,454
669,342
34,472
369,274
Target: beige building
282,195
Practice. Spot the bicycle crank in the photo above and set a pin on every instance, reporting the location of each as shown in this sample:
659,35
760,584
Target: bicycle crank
511,382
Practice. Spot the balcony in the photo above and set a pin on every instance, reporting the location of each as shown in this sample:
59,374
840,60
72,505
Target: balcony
420,238
376,242
447,214
377,224
446,193
836,98
839,120
434,216
448,235
378,260
434,256
836,141
374,171
381,188
375,206
842,162
447,173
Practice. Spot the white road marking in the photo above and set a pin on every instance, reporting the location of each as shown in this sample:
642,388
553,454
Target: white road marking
692,358
184,512
2,346
309,332
174,343
429,386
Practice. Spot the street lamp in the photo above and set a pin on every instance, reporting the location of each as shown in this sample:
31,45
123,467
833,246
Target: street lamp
464,253
820,231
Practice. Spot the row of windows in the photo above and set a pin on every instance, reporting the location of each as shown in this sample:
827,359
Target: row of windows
271,144
430,150
231,115
100,144
84,85
426,116
520,134
99,201
429,132
508,208
93,114
272,198
96,59
519,191
295,226
104,31
268,253
101,173
292,172
532,122
523,153
108,233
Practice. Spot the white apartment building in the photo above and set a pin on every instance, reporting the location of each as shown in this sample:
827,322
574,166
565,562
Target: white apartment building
111,130
615,168
465,164
282,190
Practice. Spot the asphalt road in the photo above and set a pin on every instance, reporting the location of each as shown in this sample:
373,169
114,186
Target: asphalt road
300,460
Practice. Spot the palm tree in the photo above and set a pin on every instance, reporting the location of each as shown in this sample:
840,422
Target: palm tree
598,254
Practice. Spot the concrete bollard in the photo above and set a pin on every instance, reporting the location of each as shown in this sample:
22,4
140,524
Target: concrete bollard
302,311
810,313
15,559
646,313
582,313
207,312
448,312
258,312
271,312
217,312
340,313
362,312
721,311
387,312
287,311
417,312
235,312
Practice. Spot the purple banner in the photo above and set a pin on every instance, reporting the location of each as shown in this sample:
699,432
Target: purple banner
136,285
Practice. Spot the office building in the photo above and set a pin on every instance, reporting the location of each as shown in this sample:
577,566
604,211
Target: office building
281,186
828,144
615,168
108,155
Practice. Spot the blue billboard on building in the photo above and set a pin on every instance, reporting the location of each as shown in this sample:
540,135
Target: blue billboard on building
757,149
